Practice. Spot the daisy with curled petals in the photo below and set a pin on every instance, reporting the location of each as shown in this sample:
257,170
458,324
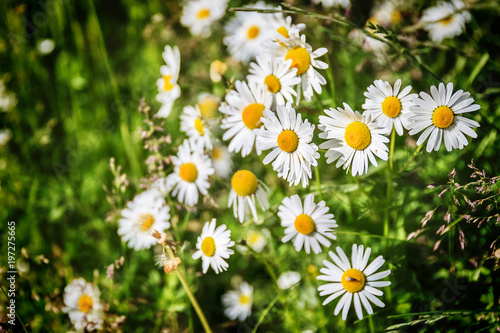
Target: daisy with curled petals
293,154
352,138
81,302
213,247
168,89
191,170
238,303
357,283
194,126
445,20
245,188
388,106
142,216
199,15
244,108
276,75
440,117
309,225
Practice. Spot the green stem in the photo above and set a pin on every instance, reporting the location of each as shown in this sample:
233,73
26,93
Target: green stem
17,316
318,183
370,322
265,312
389,184
419,148
391,149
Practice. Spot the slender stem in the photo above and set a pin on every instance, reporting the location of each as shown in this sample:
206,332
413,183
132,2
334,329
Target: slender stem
419,148
318,183
265,312
391,149
17,316
370,322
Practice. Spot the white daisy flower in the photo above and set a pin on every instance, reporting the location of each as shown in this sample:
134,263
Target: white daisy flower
238,303
142,216
81,303
440,117
213,247
276,75
208,105
221,160
244,108
257,240
288,280
333,3
310,224
387,13
245,187
194,126
191,170
293,154
168,89
283,25
444,21
353,139
388,106
357,282
199,15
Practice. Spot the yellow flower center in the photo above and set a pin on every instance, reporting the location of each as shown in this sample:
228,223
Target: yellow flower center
85,303
443,117
208,246
353,280
304,224
217,153
283,32
446,21
251,115
391,106
244,299
146,221
357,135
244,183
396,17
300,59
198,124
273,83
208,106
288,141
167,86
188,172
203,13
253,32
253,238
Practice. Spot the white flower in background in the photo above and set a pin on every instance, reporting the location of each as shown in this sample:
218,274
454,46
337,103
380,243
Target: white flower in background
388,106
195,127
387,13
440,117
309,225
293,153
257,240
191,170
7,99
288,279
357,282
142,216
283,26
5,136
46,46
81,303
208,105
444,20
213,247
352,138
333,3
217,70
245,188
221,161
168,89
244,108
238,303
200,15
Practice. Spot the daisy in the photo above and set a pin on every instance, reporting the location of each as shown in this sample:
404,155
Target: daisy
142,216
81,302
208,105
356,283
440,117
245,187
213,247
221,160
194,126
387,13
388,106
191,170
238,303
283,25
309,224
256,240
168,89
276,75
199,15
288,280
290,138
353,139
244,108
444,20
333,3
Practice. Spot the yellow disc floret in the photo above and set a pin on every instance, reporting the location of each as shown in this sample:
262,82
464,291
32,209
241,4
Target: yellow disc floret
167,86
85,303
301,59
188,172
198,124
208,107
146,221
304,224
446,21
283,32
357,135
391,106
244,299
353,280
288,141
203,13
244,183
208,246
273,83
251,115
442,117
253,32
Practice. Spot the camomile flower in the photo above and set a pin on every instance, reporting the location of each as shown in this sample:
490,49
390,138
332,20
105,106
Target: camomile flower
238,303
309,225
283,26
288,279
194,126
208,105
142,216
191,170
440,117
244,108
199,15
213,247
388,106
168,89
276,75
257,240
357,283
245,188
445,20
293,154
333,3
352,138
387,13
221,160
81,303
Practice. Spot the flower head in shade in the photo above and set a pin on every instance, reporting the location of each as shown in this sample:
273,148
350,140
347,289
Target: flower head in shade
193,124
352,139
445,20
168,89
213,247
238,303
357,283
142,216
288,279
440,117
221,161
245,188
308,224
200,15
81,302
